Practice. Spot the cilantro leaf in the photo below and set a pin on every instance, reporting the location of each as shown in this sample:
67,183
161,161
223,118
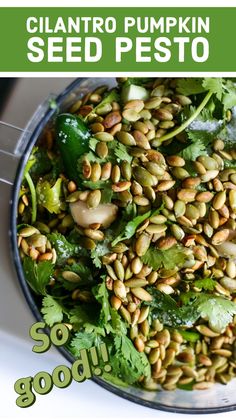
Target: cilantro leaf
229,164
127,230
101,249
38,274
104,186
122,153
217,310
96,258
118,326
99,184
131,228
153,258
207,284
156,258
92,143
228,134
52,310
111,96
42,164
166,309
49,196
100,292
191,152
107,195
81,269
86,278
229,98
190,86
109,317
82,340
214,85
225,90
91,157
63,248
78,316
201,132
126,362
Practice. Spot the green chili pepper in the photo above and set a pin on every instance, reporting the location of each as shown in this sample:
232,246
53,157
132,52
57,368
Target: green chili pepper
72,138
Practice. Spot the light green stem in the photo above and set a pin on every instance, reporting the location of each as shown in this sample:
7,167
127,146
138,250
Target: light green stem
33,197
189,120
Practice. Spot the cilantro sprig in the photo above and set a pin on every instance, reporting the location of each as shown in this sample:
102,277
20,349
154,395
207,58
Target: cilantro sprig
218,311
129,228
38,274
126,362
169,259
64,248
185,124
223,90
52,310
28,178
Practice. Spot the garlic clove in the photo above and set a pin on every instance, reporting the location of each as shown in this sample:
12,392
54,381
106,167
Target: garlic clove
103,214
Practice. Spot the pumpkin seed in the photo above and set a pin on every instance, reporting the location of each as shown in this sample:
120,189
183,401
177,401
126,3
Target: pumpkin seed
37,240
209,175
232,200
228,283
180,173
94,234
163,114
219,200
156,228
187,195
220,236
125,138
130,115
94,199
142,294
71,276
119,289
208,162
206,331
104,136
28,231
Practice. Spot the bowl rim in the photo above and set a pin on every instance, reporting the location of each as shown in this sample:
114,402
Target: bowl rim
28,294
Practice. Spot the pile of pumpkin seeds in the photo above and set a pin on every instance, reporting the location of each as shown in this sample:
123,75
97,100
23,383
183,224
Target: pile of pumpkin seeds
197,212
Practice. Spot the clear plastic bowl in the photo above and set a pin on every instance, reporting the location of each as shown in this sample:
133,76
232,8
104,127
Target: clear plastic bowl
220,398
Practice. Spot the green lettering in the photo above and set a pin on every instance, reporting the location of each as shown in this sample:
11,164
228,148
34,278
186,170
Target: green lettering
57,374
81,368
23,387
42,382
60,334
39,337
